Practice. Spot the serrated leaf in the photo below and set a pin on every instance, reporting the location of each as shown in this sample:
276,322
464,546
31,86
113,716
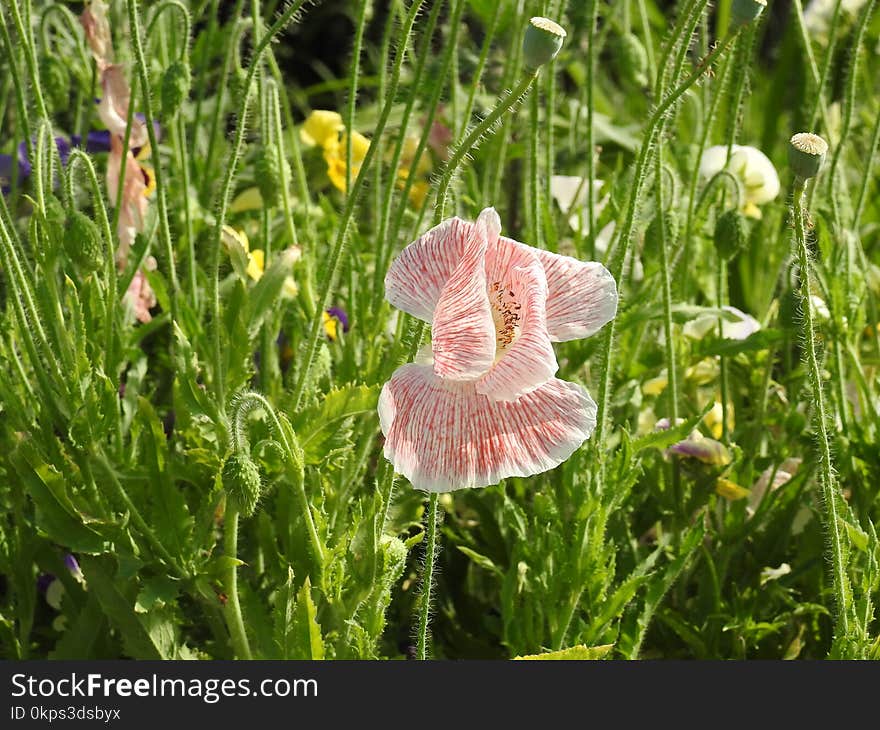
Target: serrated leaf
155,593
318,428
573,653
306,631
56,514
285,607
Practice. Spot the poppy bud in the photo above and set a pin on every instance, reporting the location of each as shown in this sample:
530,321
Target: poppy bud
269,177
730,234
745,11
806,153
82,242
633,59
669,220
175,87
241,480
542,42
55,81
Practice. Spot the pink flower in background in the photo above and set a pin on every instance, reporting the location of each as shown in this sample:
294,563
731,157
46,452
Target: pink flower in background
486,405
113,107
140,296
136,187
97,29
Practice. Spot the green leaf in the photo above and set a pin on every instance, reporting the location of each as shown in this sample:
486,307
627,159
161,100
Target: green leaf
481,560
318,427
661,439
155,593
79,639
56,514
856,535
285,607
307,633
119,610
170,517
573,653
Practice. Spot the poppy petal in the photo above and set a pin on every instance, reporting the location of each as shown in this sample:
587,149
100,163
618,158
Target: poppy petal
581,296
518,293
463,331
444,436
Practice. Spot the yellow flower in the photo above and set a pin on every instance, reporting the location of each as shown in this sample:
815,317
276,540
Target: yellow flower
730,491
248,199
330,325
334,155
655,386
714,422
321,128
238,244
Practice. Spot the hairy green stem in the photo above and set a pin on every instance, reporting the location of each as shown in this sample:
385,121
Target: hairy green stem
820,418
232,609
428,577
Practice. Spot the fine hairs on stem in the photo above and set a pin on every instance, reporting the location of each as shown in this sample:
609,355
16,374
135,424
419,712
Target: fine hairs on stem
820,416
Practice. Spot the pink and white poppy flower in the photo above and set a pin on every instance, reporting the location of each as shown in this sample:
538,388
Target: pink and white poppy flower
486,404
113,107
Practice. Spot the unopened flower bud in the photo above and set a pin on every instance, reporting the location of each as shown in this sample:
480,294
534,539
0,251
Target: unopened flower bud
730,234
633,59
241,480
175,87
745,11
542,42
269,177
669,220
82,242
806,153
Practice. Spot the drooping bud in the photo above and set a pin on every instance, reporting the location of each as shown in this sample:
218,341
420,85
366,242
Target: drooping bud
542,42
669,220
634,59
241,480
82,242
55,80
730,234
746,11
269,177
175,87
806,153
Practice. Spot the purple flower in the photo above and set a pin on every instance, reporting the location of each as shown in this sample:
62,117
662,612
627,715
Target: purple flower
707,450
340,315
44,580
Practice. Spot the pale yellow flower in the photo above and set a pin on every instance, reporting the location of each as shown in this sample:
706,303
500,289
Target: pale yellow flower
321,128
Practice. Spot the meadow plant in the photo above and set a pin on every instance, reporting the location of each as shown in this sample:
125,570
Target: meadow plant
278,379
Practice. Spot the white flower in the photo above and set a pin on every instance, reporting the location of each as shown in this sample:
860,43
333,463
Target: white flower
735,325
570,194
756,173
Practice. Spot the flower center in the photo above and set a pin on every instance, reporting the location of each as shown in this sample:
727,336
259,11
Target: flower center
506,317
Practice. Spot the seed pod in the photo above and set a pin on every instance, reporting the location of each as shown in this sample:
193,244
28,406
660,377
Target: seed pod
669,220
55,81
241,480
269,178
175,87
731,235
82,242
633,59
542,42
806,153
